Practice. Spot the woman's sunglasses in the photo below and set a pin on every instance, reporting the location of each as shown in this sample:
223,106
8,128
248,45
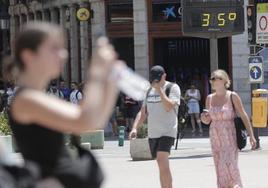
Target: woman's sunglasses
215,78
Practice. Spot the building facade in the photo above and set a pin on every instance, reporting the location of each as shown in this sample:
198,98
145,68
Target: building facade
145,33
80,34
154,30
4,33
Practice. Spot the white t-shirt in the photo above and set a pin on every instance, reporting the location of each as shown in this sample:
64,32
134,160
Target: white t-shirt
160,122
57,93
75,96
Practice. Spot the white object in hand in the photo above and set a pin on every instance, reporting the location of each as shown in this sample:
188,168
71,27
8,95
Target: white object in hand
130,83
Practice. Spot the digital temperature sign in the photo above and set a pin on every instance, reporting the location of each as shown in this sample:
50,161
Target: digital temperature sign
207,18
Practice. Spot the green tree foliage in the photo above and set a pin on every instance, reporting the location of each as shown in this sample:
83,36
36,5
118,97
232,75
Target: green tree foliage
4,125
142,131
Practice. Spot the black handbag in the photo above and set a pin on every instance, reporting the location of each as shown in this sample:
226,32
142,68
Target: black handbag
241,132
90,174
26,176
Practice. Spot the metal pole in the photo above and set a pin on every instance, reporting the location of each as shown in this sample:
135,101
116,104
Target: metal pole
214,62
256,131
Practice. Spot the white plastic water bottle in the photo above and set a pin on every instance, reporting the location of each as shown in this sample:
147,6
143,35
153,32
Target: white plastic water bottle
130,83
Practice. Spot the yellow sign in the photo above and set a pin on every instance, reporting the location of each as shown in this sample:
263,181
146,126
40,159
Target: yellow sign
83,14
259,112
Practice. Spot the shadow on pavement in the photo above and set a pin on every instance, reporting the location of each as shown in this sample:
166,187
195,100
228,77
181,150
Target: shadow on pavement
192,157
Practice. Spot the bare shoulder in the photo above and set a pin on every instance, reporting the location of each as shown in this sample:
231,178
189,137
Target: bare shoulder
29,96
210,96
235,96
29,102
236,99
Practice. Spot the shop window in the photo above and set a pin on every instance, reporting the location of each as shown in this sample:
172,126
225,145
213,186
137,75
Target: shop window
125,50
120,13
166,12
31,16
47,15
23,19
38,15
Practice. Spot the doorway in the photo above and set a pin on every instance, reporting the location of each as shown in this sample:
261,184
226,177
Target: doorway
125,49
187,60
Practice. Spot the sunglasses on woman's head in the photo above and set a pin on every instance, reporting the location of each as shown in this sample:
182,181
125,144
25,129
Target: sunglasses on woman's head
215,78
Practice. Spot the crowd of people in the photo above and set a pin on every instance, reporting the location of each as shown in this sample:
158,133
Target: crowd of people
56,88
40,119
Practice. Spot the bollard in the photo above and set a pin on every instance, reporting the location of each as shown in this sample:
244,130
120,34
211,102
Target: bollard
121,136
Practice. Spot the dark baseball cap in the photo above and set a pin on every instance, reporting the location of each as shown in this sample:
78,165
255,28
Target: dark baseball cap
156,73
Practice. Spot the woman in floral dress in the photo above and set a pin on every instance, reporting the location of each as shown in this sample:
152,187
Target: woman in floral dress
221,115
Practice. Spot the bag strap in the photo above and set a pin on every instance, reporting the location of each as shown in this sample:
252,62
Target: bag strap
167,92
146,99
231,97
147,94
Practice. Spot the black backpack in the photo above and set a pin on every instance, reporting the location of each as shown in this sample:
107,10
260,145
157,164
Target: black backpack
182,115
183,107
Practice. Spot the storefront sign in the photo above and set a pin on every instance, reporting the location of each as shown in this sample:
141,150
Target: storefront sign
167,12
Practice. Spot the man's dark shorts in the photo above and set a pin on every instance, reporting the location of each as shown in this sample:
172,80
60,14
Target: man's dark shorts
163,144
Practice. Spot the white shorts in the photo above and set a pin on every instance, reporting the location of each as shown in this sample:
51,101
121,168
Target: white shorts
193,108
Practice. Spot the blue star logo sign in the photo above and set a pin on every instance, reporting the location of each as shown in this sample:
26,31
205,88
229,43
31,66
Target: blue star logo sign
169,12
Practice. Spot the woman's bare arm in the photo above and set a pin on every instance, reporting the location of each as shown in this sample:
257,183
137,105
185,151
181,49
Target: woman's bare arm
32,106
205,118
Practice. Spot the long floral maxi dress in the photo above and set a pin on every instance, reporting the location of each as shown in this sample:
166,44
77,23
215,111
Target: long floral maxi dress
223,144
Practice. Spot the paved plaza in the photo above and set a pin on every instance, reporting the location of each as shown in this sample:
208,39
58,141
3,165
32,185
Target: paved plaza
191,165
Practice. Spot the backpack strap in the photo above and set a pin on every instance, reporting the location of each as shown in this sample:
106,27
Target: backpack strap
76,95
147,94
168,89
167,92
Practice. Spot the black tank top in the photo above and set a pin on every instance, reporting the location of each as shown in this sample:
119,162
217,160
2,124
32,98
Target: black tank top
39,144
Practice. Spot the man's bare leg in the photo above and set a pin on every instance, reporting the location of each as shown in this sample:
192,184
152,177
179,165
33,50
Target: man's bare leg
164,170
